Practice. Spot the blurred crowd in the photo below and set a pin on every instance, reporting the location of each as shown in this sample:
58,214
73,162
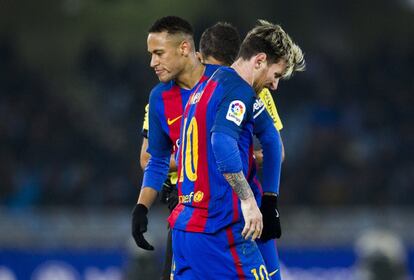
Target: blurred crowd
79,150
348,130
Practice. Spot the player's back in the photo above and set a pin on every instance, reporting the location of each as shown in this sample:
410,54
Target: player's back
207,201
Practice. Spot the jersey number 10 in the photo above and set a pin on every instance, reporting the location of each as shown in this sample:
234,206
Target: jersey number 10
190,142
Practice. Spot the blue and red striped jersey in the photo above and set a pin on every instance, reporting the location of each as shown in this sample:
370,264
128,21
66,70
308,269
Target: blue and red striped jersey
223,103
166,106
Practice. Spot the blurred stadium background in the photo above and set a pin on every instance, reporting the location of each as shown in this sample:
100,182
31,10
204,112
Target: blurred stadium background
74,79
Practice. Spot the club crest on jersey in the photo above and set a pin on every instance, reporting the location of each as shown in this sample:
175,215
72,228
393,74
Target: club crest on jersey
258,107
236,112
196,97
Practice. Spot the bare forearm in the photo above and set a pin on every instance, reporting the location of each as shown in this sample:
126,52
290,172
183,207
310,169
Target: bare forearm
258,156
147,196
252,217
145,156
173,165
239,184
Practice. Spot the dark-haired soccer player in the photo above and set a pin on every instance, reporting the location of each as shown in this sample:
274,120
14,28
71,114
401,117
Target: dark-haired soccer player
219,44
217,207
171,46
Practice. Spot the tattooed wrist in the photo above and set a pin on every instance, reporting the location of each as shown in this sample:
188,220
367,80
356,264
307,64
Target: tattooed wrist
239,184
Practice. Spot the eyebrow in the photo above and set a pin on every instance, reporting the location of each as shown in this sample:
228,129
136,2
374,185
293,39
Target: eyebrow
156,51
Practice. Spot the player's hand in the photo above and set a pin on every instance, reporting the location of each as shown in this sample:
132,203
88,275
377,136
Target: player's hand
169,194
252,217
271,218
139,226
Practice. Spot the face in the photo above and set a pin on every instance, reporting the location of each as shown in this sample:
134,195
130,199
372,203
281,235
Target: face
269,76
167,55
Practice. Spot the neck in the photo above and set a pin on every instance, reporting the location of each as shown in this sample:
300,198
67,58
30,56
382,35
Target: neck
191,74
244,69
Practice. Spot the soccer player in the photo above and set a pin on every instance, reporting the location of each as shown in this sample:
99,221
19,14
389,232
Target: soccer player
171,46
219,44
217,219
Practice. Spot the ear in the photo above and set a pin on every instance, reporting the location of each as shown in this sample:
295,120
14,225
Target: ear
200,57
185,48
260,60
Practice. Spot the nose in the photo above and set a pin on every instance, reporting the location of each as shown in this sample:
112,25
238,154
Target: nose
154,61
274,84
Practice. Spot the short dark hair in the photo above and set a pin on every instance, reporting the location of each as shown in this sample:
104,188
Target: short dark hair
172,25
221,41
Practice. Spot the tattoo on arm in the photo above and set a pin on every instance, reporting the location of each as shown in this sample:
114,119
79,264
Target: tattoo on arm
239,184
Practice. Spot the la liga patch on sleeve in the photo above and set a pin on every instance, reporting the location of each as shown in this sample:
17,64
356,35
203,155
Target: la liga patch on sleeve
236,112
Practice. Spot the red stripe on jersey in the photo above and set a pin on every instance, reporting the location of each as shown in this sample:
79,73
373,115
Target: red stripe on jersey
184,114
180,207
175,106
180,159
204,78
237,262
258,184
251,160
236,213
202,183
173,112
174,214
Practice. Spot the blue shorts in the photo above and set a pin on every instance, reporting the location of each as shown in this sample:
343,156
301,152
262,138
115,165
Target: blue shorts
224,255
268,250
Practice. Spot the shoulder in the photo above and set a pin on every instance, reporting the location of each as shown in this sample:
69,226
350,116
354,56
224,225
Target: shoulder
258,107
232,82
210,69
159,89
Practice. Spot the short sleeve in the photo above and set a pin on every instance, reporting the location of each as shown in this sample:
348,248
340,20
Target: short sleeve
159,143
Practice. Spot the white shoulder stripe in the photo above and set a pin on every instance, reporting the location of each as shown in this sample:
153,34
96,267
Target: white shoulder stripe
258,113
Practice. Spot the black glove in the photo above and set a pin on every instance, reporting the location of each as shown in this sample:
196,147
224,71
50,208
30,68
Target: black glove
139,226
271,218
169,194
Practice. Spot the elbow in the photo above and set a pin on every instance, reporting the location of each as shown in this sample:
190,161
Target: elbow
258,156
226,153
144,159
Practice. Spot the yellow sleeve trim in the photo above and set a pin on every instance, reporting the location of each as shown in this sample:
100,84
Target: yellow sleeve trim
173,177
270,105
145,125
